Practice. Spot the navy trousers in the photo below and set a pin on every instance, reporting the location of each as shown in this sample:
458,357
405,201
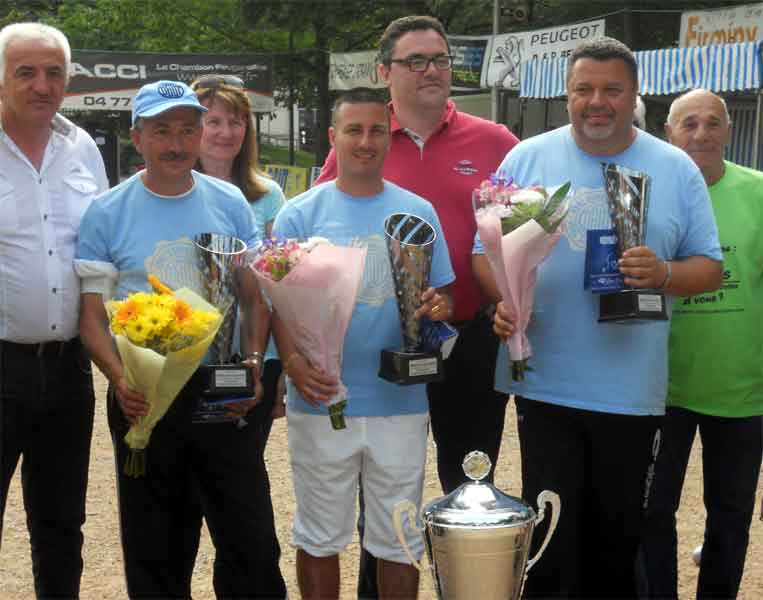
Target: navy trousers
731,459
218,467
600,465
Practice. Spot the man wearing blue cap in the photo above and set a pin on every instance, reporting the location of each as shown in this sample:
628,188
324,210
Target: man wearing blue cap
123,233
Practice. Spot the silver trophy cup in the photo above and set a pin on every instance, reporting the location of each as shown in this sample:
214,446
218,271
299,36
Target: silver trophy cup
628,201
477,538
210,265
410,243
219,259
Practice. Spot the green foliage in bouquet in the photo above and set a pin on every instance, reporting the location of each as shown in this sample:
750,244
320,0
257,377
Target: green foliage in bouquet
545,213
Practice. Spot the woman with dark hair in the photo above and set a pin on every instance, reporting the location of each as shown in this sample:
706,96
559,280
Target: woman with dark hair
229,152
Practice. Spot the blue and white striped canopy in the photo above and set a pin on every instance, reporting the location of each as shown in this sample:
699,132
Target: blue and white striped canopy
719,68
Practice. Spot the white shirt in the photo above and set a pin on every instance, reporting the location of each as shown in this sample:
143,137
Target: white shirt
40,213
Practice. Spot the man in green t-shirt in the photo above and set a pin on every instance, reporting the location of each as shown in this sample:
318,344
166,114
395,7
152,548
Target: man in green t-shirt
716,371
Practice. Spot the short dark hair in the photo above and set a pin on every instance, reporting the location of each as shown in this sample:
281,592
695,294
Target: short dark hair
359,95
605,48
399,27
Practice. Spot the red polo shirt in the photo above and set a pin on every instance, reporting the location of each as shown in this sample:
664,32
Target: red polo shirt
454,160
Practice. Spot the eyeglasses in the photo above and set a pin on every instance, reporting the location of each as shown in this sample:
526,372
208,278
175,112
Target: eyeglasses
212,82
417,64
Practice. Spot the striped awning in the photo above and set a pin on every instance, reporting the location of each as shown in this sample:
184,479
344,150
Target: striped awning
719,68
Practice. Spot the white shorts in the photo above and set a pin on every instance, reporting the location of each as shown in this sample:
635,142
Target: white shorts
388,452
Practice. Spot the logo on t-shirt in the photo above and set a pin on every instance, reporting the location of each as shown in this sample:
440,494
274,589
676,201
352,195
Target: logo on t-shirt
377,285
465,167
588,210
175,264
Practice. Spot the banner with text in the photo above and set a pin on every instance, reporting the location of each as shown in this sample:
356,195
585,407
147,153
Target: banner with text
510,50
479,62
721,26
469,55
349,70
358,69
109,80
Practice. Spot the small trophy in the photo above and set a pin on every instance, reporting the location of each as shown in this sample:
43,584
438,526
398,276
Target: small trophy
220,259
410,242
628,199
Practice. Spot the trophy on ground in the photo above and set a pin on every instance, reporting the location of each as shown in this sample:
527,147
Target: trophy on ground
628,200
410,242
477,538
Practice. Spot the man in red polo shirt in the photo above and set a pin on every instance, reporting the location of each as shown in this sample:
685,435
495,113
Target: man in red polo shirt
442,154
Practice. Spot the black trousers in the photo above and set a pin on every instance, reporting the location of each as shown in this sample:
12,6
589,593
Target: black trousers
46,415
466,413
465,410
222,467
260,414
600,465
731,458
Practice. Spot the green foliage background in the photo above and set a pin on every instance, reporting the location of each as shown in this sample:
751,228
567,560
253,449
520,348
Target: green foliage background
302,33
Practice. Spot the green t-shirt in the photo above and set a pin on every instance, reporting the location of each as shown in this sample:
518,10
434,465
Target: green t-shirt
716,339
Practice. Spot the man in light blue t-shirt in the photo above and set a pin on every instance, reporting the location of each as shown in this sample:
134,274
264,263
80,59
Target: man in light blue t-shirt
140,223
589,412
385,439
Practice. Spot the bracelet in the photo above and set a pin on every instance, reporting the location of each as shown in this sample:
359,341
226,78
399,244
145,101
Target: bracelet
255,357
668,275
292,357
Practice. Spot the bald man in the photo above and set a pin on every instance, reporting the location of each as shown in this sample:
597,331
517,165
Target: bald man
716,381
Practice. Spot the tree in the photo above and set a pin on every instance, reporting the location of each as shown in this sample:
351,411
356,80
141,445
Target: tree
319,27
302,33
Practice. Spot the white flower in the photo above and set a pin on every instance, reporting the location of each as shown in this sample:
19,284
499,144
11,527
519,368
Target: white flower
527,197
312,242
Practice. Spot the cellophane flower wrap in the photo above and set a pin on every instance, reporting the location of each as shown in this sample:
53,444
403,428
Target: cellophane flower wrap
313,286
161,338
518,228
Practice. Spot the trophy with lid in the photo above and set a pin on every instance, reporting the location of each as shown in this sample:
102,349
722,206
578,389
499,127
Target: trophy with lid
478,538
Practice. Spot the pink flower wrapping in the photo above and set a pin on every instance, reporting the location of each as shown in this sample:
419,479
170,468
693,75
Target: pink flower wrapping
315,301
514,259
531,218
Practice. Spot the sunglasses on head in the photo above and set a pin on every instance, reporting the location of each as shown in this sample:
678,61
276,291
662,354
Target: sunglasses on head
212,82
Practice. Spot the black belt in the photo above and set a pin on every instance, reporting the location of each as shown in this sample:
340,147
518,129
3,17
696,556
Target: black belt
41,349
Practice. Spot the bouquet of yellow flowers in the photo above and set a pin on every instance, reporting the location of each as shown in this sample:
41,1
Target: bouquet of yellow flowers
162,338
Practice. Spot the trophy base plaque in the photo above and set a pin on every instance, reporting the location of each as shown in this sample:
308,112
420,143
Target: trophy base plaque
632,305
410,368
228,380
220,386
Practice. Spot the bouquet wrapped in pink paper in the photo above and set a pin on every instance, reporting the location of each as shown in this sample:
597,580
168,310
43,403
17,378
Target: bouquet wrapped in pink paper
313,286
518,228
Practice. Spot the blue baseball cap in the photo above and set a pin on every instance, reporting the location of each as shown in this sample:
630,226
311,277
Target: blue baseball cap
155,98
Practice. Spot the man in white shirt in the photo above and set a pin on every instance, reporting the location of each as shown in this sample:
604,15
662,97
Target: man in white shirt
50,170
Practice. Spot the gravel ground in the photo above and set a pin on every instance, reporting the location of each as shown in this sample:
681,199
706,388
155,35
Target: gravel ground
103,578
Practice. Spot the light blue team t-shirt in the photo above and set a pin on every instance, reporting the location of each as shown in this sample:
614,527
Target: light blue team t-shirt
327,212
265,210
266,207
130,226
578,362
